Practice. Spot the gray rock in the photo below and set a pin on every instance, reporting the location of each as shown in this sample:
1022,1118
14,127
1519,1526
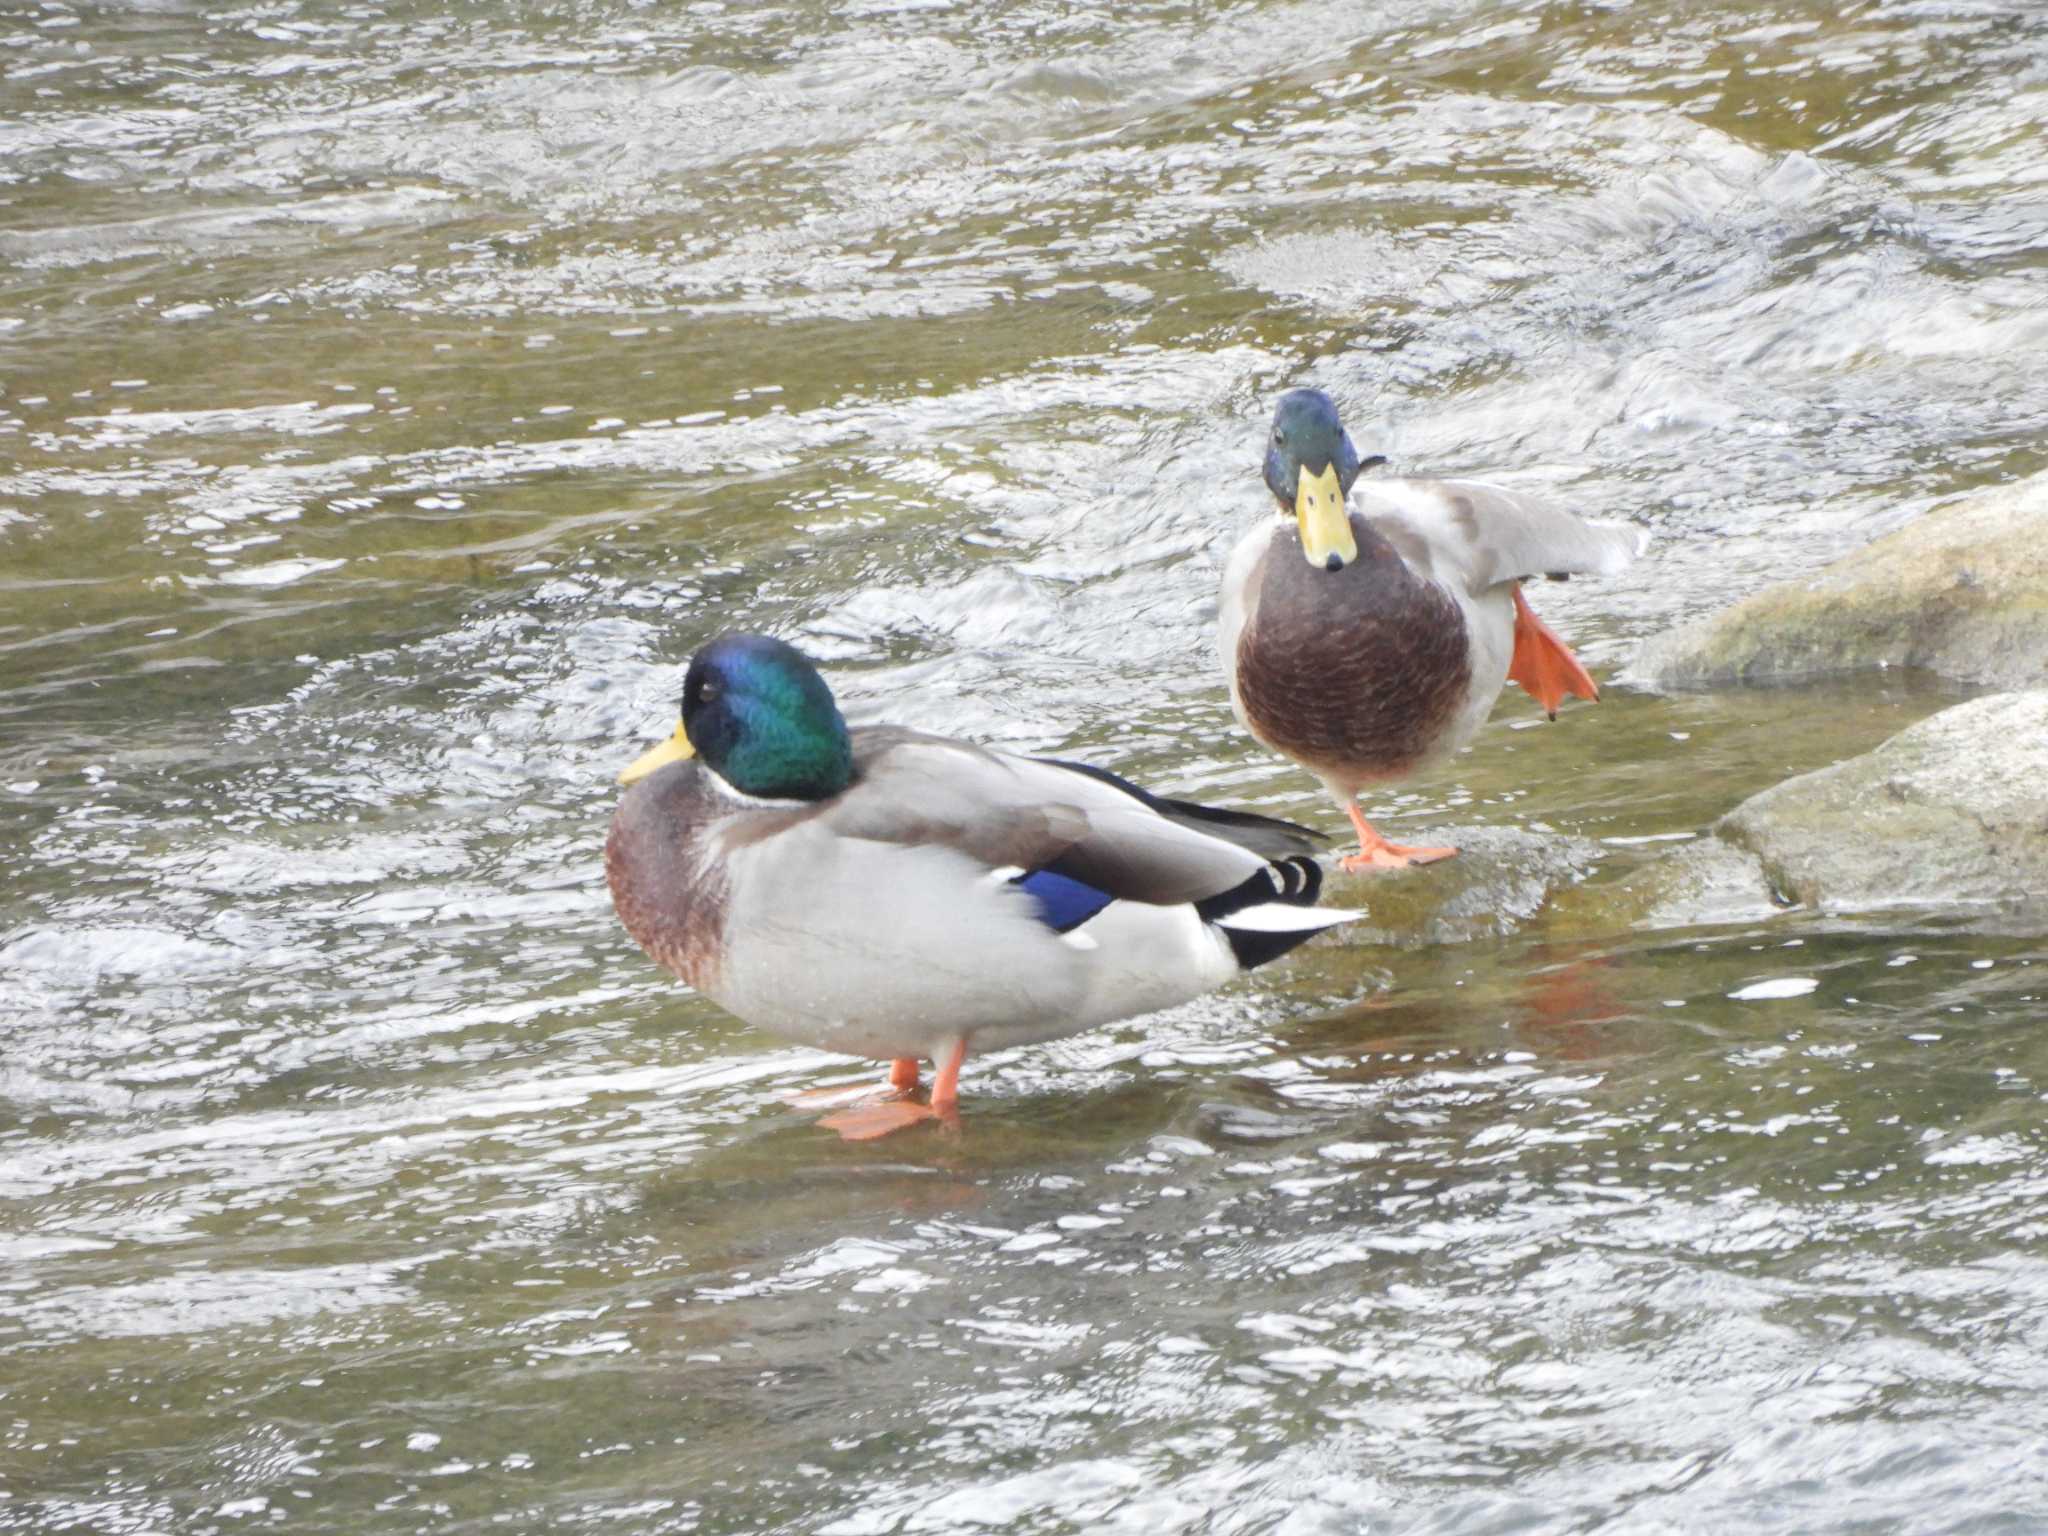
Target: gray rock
1949,813
1962,591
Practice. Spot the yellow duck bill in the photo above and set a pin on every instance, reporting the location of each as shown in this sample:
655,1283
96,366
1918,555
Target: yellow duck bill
674,750
1326,539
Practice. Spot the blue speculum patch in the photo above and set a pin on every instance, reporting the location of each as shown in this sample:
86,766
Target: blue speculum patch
1063,904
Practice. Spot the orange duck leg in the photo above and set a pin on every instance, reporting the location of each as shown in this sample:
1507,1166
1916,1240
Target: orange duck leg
1542,664
1375,852
867,1122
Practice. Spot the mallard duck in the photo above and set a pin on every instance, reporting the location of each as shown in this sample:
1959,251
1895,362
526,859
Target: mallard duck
1367,639
886,893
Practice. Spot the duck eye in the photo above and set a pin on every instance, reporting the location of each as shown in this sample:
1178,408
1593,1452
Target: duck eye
1279,436
706,691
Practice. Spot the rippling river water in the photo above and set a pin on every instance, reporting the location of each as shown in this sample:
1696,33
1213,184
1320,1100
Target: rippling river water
392,394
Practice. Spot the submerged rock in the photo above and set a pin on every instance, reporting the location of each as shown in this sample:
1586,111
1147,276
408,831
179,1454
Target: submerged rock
1962,591
1702,883
1950,812
1500,879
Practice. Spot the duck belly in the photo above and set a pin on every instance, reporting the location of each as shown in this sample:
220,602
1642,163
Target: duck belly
1136,959
883,951
1367,674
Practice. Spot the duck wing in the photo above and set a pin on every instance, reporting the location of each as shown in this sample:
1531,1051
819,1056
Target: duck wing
1267,836
1482,535
1023,814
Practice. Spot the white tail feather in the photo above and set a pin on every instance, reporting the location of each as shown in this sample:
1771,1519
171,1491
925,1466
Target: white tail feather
1274,917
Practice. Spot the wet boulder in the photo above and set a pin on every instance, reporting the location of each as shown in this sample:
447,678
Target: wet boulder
1951,812
1961,591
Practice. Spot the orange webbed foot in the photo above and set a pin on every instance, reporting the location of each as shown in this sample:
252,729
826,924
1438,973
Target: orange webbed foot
871,1122
1375,852
903,1072
1391,856
1543,665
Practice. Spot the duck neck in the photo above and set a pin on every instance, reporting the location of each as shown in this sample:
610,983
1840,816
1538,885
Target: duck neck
784,757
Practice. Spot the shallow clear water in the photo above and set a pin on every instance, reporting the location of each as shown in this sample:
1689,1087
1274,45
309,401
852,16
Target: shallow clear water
391,395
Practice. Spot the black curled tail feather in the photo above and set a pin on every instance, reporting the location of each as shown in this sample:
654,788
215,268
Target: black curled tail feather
1306,876
1295,881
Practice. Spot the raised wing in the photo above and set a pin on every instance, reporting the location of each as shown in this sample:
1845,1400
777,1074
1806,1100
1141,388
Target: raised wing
1485,534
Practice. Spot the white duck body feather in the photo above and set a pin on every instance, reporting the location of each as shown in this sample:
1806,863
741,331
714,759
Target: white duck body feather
899,951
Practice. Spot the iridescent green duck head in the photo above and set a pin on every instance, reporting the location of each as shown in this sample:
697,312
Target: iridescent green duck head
1310,466
761,718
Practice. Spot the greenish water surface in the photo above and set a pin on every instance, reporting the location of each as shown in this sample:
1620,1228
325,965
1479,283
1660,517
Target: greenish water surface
391,395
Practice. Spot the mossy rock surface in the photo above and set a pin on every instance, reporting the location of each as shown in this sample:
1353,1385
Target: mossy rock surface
1962,591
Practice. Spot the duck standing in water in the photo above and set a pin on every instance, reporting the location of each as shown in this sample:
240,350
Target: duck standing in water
1368,639
891,894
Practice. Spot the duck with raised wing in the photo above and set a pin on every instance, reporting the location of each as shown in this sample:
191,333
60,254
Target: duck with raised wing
1368,629
887,893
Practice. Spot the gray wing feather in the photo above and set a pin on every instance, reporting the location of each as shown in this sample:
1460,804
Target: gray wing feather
1004,811
1486,534
911,788
1267,836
